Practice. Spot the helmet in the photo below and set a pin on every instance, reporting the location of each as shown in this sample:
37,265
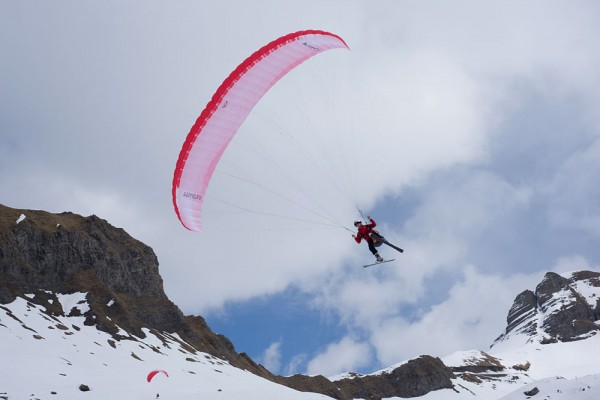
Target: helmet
356,223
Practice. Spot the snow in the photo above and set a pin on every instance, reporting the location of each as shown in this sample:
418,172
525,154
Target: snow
570,359
75,300
563,370
587,291
576,363
458,358
553,388
43,354
21,218
558,388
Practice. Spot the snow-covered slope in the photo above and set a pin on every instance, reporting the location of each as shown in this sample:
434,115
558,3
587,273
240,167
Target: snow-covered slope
528,355
48,357
558,388
45,356
526,367
550,349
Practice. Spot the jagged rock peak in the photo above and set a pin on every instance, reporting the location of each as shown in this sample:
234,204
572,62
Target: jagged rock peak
564,307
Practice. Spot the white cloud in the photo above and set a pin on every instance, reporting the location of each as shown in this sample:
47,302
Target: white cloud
472,315
470,318
271,357
295,364
571,263
364,299
345,355
573,193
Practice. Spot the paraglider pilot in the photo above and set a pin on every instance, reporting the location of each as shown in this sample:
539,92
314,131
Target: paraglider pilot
364,232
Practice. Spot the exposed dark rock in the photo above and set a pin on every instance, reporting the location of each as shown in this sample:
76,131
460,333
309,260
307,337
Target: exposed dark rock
317,384
6,295
571,316
84,388
482,364
521,313
532,392
557,307
522,367
415,378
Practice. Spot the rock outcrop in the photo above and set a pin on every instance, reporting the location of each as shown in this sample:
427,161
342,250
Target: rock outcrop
47,253
558,310
415,378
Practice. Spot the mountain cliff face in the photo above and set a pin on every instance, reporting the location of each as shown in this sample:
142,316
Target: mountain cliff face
560,310
45,254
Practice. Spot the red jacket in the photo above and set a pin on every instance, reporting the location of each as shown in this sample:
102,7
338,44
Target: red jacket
364,231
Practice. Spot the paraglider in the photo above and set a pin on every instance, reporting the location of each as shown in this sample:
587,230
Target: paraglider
373,238
227,110
153,373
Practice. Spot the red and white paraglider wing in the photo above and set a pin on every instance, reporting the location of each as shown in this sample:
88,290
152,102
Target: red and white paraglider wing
229,107
152,374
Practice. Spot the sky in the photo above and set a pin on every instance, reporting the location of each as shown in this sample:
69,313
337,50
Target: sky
467,129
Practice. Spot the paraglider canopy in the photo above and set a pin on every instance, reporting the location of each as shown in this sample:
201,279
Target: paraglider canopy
153,373
227,110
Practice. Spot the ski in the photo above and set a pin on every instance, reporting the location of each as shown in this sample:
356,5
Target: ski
378,262
377,237
393,246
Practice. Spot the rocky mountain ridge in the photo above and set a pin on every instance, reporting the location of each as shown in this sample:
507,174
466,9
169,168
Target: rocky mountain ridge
557,311
49,253
45,255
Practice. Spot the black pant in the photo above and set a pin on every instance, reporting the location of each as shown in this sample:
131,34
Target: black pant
372,246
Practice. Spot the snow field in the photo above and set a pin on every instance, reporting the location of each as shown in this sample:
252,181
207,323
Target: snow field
42,355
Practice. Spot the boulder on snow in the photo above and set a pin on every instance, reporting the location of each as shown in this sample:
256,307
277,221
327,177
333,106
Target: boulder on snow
84,388
532,392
